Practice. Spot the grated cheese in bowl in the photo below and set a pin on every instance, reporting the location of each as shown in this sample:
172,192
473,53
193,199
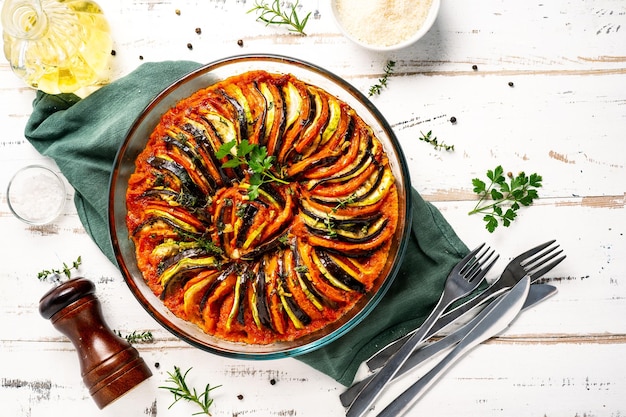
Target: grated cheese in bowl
385,24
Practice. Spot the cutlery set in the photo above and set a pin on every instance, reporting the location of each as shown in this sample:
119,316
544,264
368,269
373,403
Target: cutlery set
483,315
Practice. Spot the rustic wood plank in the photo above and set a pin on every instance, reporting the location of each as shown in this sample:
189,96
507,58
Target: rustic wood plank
564,117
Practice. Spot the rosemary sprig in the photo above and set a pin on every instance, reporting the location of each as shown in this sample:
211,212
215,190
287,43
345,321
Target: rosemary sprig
181,391
67,270
519,191
137,337
429,138
376,89
274,15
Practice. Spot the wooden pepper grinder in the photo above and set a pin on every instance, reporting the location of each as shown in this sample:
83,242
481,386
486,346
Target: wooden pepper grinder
109,365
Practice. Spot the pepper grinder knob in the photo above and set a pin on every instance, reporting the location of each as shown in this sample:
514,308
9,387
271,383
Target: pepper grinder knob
109,365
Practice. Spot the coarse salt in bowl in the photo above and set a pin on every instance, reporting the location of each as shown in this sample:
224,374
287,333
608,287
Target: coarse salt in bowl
36,195
385,25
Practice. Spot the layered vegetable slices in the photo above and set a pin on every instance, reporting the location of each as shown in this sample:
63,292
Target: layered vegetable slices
293,256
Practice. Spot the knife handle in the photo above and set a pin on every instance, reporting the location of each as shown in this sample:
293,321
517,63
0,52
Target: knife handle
412,394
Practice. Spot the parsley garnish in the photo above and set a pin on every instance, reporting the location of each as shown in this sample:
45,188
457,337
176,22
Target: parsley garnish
519,191
274,15
256,158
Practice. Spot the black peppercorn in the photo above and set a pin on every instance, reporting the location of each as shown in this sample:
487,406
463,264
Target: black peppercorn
475,67
198,31
511,84
240,397
272,381
141,57
113,52
157,365
240,42
453,120
189,46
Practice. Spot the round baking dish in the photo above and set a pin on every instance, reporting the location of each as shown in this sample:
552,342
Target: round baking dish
135,142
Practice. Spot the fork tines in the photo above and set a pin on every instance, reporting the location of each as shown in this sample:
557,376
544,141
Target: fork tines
472,268
540,263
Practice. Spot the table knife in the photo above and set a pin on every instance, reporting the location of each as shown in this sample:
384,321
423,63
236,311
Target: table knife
536,294
493,319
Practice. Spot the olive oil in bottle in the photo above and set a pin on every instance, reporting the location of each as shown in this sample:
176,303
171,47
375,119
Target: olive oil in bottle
56,46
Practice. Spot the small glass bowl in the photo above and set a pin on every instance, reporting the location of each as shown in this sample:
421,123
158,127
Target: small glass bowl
379,46
36,195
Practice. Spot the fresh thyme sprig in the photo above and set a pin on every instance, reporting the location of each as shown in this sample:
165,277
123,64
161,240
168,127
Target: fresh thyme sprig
203,242
137,337
519,191
274,15
67,270
329,221
256,158
376,89
429,138
181,391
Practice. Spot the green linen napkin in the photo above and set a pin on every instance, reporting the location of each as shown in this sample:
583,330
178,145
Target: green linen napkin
83,136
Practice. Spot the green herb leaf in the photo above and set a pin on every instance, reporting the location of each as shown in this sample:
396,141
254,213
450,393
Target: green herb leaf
225,149
376,89
257,160
274,15
500,195
137,337
66,270
429,138
181,391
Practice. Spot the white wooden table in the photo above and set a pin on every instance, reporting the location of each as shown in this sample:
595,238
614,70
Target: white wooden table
564,118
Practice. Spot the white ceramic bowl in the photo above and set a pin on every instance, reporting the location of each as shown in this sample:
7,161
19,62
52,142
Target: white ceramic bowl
370,25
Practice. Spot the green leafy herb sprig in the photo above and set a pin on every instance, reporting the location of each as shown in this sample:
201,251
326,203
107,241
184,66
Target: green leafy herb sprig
429,138
137,337
377,88
203,242
520,190
257,160
274,15
329,221
181,391
67,270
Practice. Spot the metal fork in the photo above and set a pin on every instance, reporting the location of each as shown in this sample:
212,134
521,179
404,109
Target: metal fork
462,280
525,263
522,265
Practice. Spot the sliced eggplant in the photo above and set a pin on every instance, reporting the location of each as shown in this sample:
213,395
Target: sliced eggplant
334,274
181,175
176,273
249,213
236,311
241,121
196,166
261,310
299,318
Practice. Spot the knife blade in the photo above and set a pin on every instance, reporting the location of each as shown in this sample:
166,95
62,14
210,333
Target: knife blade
506,279
536,294
493,319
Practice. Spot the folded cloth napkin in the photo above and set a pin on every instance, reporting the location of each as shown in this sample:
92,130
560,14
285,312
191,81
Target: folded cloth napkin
83,136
